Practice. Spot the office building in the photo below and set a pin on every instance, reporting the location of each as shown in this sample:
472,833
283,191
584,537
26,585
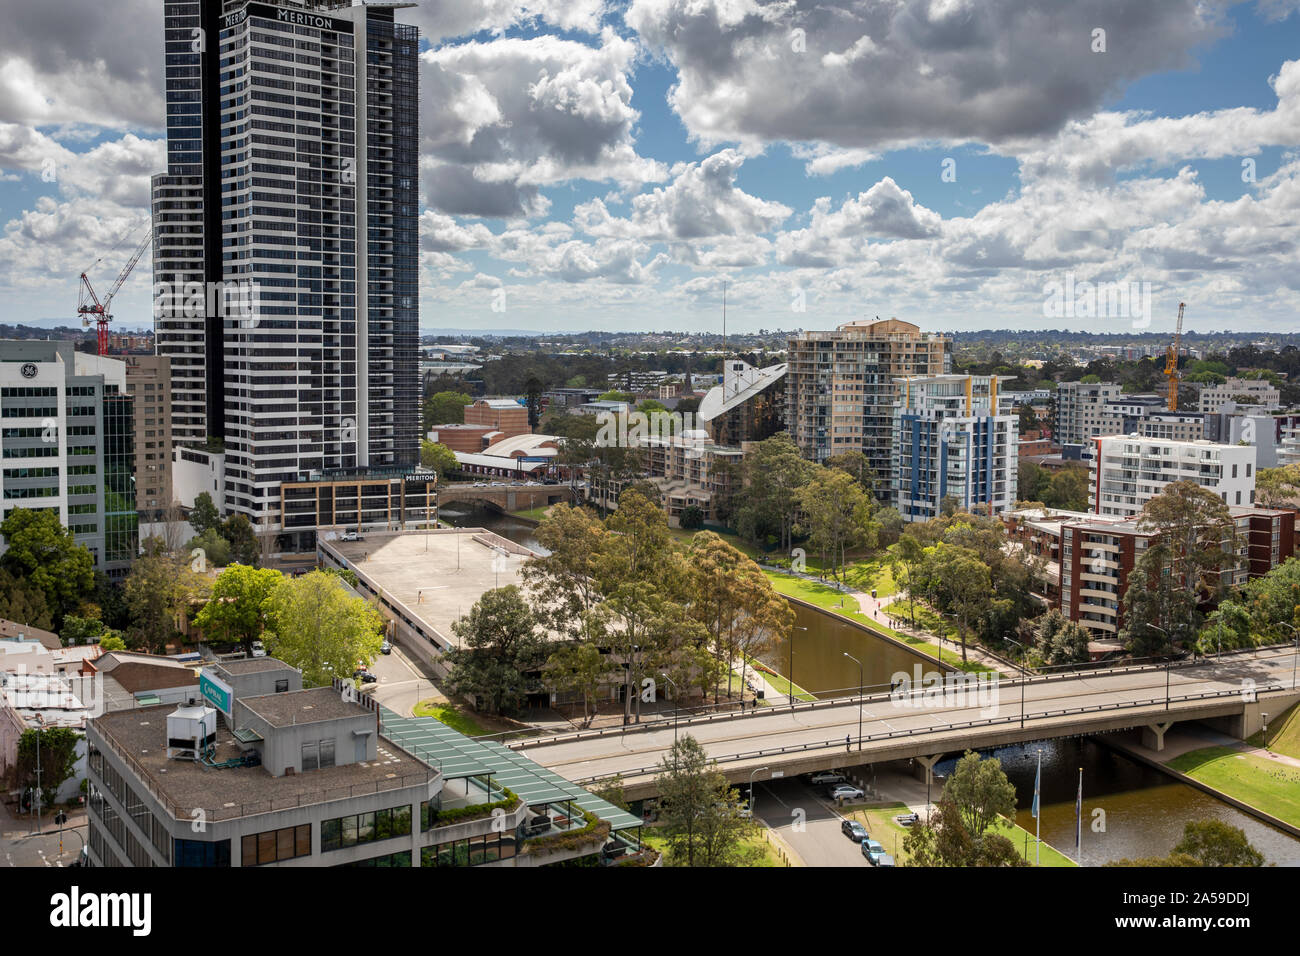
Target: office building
259,771
1127,471
841,388
749,405
285,248
67,445
148,382
951,443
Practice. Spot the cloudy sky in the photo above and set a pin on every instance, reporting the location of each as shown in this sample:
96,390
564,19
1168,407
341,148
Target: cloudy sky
593,164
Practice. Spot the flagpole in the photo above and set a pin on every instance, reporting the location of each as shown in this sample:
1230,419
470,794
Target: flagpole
1078,821
1038,823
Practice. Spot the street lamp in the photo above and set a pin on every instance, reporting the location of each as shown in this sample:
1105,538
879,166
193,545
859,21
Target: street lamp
861,681
1024,674
790,673
677,707
1157,627
751,789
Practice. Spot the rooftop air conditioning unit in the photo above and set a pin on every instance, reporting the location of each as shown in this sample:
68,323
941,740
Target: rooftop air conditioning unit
191,731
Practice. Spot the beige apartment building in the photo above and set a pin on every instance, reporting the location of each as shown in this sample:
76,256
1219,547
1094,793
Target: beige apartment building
148,382
841,387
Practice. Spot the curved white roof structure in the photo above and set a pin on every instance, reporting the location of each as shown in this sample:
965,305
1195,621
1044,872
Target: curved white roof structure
740,383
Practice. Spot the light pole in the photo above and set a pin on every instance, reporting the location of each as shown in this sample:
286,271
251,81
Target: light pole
1023,676
1157,627
677,707
861,680
751,789
790,672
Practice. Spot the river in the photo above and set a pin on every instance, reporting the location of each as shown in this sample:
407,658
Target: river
1143,810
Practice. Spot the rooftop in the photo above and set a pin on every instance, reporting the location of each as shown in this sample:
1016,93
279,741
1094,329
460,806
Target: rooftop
140,737
253,665
301,706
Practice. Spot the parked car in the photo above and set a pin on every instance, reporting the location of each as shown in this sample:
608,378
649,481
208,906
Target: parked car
873,851
386,648
827,776
846,791
364,676
855,831
259,649
349,536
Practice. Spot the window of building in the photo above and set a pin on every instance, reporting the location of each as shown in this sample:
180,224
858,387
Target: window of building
272,846
343,832
202,853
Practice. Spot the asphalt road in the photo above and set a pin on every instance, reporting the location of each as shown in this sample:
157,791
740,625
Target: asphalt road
42,849
808,822
401,685
776,727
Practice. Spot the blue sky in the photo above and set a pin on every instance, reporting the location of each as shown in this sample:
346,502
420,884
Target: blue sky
594,165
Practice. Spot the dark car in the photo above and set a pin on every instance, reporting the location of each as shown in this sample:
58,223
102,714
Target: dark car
874,852
365,677
854,830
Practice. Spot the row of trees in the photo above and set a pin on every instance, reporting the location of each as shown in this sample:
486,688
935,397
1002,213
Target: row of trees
629,603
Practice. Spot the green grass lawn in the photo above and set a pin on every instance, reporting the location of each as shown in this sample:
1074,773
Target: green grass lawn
1258,781
1283,733
445,713
878,818
780,683
536,514
654,838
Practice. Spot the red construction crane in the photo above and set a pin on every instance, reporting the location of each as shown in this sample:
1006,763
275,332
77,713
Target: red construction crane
89,303
1171,361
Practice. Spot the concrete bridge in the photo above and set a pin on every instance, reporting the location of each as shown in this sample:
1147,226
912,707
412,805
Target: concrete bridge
505,496
1230,692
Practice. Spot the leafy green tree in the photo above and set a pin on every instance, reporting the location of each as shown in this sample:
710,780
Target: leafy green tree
577,668
700,811
445,408
159,590
44,553
979,789
80,630
691,519
856,465
314,624
774,471
501,646
113,643
533,389
215,548
947,841
1032,481
439,457
1067,490
836,515
237,607
961,582
566,579
1060,640
735,603
1278,487
23,602
244,546
58,759
204,516
1215,843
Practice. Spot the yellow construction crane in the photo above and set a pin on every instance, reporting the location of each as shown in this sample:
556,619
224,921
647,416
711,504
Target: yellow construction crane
1171,361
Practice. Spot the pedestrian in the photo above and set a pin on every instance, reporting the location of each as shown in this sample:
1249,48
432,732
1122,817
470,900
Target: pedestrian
848,742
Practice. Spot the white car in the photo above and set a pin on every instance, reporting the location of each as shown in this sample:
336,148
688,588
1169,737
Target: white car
827,776
846,791
259,649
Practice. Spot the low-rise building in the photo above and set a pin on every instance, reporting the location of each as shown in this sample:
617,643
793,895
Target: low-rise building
504,415
1243,391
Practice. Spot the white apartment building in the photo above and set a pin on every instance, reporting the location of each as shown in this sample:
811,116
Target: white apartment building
1243,391
1127,471
949,442
1081,411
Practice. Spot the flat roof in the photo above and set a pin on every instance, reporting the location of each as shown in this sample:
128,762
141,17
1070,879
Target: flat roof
255,665
185,785
302,706
437,576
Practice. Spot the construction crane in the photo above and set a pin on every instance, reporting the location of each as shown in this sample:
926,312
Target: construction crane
90,304
1171,361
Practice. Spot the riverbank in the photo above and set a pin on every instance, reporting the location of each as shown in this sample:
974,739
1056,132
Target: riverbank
1264,785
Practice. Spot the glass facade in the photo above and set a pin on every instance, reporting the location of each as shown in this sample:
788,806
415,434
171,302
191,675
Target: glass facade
121,521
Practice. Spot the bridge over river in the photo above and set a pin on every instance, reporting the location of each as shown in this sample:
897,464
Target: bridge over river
1229,691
